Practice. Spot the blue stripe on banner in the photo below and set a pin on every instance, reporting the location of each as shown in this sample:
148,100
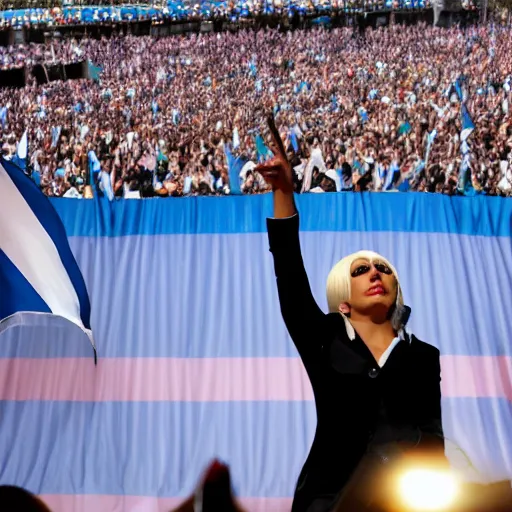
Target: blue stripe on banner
16,293
132,448
481,428
225,303
135,448
31,335
395,212
55,229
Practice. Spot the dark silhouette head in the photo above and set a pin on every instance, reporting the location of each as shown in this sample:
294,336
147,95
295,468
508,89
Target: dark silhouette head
16,499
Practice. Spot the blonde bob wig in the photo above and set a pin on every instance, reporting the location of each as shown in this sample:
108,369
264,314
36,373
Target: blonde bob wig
338,285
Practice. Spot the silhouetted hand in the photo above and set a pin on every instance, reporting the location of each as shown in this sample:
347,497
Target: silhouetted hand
213,494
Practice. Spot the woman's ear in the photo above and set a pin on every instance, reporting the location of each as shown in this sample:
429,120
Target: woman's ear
344,309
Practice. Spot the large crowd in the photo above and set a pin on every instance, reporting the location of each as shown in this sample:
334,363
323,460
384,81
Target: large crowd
107,11
186,115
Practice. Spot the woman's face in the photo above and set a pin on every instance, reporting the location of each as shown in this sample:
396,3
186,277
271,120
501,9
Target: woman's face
373,286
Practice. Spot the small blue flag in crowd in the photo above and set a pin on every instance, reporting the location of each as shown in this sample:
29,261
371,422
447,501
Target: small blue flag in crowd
236,138
235,166
430,140
460,89
464,185
3,117
404,128
38,272
363,114
21,156
467,123
262,151
93,71
294,141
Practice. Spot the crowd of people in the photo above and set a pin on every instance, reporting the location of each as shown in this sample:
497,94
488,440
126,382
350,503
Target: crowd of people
92,11
393,109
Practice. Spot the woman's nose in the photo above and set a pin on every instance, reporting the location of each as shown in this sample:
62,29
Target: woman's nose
374,274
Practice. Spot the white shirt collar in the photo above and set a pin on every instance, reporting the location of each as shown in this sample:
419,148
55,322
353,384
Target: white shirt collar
384,357
351,333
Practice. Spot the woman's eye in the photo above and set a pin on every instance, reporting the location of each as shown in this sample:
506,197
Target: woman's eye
384,269
362,269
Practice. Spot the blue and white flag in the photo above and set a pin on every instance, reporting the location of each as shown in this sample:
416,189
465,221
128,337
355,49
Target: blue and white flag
38,272
263,153
467,123
430,140
464,184
20,158
363,114
460,89
235,166
56,131
94,167
294,141
106,185
3,117
236,138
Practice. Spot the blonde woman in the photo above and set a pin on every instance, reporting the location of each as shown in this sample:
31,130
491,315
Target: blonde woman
374,384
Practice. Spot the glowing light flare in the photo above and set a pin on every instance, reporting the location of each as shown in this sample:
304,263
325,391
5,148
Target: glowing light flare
428,489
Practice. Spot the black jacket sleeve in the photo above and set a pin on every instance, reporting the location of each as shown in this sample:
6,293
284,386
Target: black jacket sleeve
303,318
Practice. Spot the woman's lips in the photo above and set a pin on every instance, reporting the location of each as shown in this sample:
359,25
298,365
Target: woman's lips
376,290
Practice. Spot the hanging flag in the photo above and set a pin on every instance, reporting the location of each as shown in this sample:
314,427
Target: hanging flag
38,272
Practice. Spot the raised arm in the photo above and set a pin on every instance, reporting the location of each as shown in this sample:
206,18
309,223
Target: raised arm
301,314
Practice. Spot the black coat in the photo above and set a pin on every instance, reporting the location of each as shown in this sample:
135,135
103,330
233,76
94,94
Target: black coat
357,402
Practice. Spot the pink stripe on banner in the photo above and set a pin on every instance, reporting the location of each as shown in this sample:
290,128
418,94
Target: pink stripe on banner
105,503
154,379
472,376
213,380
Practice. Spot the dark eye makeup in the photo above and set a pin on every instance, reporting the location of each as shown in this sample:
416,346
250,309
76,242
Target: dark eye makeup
365,267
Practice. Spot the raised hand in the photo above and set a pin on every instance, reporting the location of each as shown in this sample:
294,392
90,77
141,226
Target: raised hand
277,171
213,493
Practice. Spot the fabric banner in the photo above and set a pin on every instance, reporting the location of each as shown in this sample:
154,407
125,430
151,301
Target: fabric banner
194,361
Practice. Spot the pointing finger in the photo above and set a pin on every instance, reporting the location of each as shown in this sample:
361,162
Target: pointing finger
275,136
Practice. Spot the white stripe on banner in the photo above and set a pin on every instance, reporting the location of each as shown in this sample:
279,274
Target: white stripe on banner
27,244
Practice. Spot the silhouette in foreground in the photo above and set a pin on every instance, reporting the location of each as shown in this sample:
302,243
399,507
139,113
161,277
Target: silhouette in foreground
214,493
16,499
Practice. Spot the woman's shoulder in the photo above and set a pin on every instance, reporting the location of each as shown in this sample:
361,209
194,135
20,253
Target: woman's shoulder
335,326
423,347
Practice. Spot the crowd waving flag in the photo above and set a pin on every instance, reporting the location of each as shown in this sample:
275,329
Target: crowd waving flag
38,272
